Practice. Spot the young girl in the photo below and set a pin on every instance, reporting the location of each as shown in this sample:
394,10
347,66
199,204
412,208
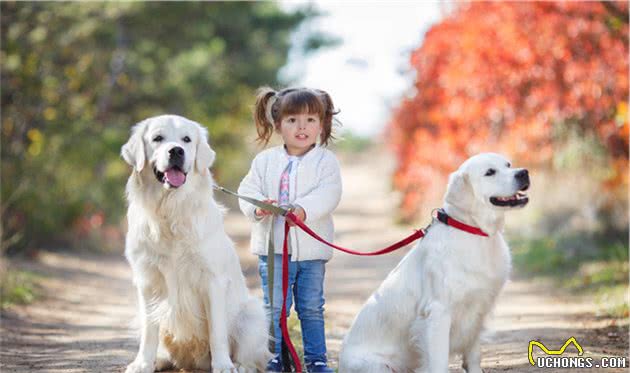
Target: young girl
302,174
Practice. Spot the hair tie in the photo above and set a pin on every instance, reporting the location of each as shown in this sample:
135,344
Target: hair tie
269,108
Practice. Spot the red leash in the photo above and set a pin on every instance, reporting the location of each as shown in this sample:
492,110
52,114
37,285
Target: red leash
285,289
416,235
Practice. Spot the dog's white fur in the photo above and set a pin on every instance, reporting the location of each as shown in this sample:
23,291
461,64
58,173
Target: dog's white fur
194,307
435,301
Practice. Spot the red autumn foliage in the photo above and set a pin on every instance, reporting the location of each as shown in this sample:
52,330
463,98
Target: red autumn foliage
508,77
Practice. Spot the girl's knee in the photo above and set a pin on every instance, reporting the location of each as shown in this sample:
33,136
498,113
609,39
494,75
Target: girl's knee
277,311
310,313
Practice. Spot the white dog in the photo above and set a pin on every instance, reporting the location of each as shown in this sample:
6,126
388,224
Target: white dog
435,301
194,307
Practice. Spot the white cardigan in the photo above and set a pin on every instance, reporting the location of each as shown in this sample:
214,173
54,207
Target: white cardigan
317,190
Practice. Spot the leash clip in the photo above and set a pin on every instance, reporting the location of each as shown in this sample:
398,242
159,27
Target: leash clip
434,217
440,215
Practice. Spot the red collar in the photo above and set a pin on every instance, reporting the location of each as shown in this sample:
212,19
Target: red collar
444,218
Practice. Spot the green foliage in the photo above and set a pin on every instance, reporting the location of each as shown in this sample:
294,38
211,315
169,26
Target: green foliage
538,256
17,287
77,76
557,255
577,150
351,142
601,273
613,299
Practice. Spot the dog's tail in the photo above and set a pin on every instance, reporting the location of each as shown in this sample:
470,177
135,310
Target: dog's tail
250,337
352,360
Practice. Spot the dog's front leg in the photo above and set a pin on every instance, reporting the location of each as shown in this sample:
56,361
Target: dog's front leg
433,328
149,337
472,358
216,310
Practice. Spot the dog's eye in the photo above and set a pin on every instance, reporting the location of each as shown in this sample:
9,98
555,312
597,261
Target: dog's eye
186,139
490,172
158,138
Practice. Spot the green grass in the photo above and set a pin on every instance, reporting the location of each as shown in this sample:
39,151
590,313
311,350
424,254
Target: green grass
295,331
557,255
538,256
607,282
585,265
17,287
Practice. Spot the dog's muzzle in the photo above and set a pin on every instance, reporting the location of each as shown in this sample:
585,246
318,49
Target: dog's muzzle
174,175
519,199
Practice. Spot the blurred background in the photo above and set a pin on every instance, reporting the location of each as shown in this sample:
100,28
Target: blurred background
424,86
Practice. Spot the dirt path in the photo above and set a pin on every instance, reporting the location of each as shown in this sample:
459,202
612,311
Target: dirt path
81,324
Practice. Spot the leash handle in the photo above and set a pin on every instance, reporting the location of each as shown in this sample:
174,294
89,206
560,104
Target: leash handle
276,210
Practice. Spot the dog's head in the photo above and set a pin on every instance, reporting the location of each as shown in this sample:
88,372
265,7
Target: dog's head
485,186
171,146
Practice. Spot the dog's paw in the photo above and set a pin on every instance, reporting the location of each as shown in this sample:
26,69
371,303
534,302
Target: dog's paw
139,366
226,370
163,364
474,370
223,366
246,369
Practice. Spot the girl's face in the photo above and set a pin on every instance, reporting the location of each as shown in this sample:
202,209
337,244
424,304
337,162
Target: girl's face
300,131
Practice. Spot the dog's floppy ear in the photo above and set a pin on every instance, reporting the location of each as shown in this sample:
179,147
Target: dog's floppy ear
459,192
205,155
133,151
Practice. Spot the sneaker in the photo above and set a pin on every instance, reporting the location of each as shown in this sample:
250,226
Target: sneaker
274,365
318,367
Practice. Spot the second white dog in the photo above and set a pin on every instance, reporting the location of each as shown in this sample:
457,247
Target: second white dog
435,301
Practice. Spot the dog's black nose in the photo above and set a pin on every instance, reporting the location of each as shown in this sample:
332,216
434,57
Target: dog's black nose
176,153
523,177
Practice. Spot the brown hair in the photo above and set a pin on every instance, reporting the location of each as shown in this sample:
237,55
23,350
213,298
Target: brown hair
292,101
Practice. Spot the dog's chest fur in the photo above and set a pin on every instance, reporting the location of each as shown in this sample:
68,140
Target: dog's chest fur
173,248
463,276
476,274
169,253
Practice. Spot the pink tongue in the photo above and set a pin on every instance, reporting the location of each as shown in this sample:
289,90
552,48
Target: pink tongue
175,177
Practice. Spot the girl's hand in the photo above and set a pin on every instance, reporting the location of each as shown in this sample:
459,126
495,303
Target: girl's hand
300,213
260,213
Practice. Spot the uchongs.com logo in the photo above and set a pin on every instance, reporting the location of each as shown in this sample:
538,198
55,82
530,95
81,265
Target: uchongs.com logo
554,359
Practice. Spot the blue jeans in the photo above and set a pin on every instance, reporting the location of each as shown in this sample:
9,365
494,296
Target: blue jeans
306,285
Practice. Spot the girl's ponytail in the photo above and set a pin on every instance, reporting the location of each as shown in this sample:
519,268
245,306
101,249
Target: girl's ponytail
263,114
327,117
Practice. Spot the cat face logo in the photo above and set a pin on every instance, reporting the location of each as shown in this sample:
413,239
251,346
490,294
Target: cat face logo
553,352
